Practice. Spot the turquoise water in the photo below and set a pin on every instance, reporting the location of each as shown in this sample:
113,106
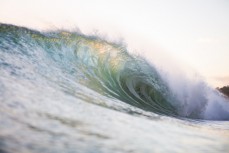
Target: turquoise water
66,92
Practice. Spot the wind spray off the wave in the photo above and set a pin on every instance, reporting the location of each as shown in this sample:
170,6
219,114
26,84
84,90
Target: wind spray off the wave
81,93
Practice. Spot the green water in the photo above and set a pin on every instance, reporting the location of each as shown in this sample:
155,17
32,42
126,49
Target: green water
66,92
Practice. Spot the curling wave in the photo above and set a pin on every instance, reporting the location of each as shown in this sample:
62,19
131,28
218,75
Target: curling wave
106,68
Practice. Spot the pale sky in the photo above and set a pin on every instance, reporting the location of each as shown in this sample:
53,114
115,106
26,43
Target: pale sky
195,32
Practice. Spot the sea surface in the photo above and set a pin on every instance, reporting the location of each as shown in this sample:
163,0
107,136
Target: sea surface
66,92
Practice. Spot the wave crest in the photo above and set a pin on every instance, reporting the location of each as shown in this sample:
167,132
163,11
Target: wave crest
110,70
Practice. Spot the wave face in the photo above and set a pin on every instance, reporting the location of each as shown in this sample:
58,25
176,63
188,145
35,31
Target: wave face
46,72
108,69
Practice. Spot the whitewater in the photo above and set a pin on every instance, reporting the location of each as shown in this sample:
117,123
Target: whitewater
64,91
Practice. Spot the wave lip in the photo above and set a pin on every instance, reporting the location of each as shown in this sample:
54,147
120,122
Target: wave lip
111,71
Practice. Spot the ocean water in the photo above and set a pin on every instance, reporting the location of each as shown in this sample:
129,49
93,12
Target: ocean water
65,92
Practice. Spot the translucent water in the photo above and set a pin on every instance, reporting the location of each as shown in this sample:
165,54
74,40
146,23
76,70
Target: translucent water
67,92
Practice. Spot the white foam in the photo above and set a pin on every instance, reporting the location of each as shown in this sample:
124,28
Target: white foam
194,96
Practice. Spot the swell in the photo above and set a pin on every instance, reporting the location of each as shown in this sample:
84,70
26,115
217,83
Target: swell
102,66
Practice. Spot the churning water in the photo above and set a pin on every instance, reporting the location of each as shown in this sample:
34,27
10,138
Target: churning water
64,92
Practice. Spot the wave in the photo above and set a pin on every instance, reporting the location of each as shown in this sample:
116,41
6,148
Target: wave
108,69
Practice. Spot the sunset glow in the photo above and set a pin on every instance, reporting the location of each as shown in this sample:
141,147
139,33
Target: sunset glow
193,32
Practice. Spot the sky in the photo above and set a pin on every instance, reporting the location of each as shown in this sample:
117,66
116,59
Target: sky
194,32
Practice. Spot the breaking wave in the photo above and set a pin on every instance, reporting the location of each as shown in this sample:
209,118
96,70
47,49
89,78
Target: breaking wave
107,69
